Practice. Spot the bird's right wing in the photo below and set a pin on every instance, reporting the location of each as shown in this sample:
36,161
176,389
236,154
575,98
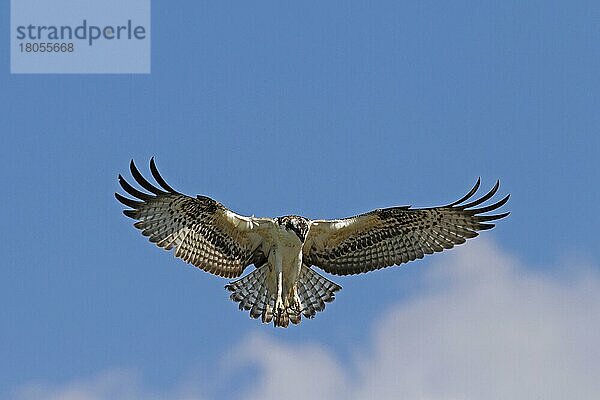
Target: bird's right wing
392,236
201,230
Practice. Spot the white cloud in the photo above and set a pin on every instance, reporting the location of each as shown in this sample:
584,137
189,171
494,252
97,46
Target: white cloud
485,327
300,372
121,384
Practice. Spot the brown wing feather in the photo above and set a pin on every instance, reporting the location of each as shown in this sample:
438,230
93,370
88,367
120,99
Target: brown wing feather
392,236
201,230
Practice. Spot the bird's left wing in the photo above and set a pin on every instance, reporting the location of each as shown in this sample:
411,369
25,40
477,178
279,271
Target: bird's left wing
202,231
392,236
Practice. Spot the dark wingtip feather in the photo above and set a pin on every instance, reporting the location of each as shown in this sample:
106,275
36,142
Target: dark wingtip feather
468,195
483,227
484,198
159,179
135,172
127,201
133,191
130,213
492,207
485,218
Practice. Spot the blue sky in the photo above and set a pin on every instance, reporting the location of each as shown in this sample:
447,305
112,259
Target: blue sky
323,110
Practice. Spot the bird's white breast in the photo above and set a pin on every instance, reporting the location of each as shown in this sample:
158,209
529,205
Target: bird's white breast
285,255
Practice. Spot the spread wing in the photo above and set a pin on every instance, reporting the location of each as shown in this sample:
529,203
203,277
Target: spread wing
201,230
392,236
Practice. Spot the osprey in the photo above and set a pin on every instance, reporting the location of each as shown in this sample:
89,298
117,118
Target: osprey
284,287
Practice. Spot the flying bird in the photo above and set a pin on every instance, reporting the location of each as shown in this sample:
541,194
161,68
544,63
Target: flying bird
283,287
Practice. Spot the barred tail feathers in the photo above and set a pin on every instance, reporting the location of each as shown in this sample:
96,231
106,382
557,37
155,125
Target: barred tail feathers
252,294
314,290
309,297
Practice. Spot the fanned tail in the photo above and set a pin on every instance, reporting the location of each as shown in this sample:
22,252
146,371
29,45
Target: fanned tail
252,293
314,290
307,298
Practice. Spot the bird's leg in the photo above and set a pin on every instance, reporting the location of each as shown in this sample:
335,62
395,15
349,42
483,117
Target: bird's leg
279,307
279,302
297,302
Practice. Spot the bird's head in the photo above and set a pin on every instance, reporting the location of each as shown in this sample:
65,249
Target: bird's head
295,223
